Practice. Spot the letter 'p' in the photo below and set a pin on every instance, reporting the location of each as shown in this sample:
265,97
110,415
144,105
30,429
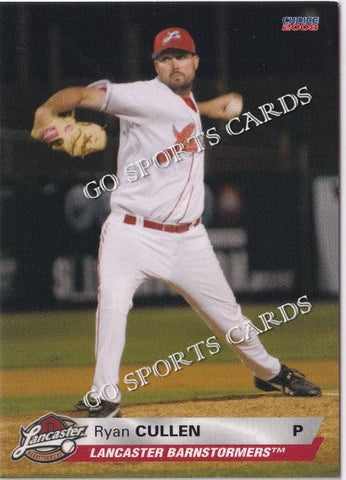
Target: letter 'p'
143,373
297,429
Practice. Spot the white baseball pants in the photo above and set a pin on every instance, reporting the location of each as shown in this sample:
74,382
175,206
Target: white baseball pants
128,255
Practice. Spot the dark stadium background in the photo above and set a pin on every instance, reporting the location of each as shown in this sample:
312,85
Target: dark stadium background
271,169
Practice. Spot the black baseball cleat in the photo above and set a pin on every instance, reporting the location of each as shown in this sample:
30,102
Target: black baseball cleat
105,410
290,382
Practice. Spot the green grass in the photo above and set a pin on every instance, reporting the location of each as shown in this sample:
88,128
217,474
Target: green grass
66,338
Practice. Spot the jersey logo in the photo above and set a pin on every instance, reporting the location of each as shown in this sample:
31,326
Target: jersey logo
184,137
171,35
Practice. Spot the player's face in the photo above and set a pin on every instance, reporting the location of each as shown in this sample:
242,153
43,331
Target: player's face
177,70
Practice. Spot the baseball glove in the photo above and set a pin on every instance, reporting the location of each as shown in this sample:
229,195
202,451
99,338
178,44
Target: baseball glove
77,139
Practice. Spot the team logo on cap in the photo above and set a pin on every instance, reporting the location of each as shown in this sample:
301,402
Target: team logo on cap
171,35
49,439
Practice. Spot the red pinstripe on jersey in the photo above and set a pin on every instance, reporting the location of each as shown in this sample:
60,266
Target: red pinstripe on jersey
182,193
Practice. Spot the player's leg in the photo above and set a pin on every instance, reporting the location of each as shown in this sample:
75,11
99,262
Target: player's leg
128,255
120,274
199,278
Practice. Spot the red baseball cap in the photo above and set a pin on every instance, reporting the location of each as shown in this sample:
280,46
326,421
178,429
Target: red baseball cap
175,38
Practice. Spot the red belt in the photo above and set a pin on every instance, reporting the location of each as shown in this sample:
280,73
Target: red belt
164,227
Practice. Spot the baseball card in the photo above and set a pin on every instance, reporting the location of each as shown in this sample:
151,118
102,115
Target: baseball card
170,248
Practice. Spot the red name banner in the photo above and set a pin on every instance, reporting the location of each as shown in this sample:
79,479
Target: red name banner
181,453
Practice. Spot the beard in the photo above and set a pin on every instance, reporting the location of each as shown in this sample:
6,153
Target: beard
179,83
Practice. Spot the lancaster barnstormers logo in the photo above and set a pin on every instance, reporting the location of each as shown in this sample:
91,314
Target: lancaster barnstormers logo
49,439
189,143
185,137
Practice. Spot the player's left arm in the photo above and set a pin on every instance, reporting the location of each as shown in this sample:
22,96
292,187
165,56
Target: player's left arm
224,107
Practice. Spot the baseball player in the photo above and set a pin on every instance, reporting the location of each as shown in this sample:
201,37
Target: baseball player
154,229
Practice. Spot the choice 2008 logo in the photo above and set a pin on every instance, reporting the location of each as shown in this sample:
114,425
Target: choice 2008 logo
302,24
49,439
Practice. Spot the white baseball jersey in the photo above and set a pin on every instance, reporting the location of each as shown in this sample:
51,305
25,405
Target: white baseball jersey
153,118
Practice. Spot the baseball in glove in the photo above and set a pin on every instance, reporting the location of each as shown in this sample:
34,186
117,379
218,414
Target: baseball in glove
77,139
